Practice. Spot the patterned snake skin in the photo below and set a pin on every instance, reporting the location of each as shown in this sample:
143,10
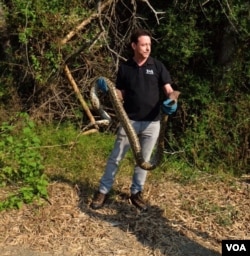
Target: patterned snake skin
124,120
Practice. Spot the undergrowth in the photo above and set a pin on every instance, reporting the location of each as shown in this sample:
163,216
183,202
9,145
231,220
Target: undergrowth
32,156
21,163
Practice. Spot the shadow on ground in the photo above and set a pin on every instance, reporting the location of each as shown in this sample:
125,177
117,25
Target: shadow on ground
150,228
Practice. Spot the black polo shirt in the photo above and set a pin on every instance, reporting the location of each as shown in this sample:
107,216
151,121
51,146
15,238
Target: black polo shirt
142,86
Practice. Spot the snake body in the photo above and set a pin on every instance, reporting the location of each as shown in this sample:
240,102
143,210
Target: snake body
108,86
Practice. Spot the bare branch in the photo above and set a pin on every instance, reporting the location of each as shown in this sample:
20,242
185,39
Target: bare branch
105,33
78,94
205,2
228,16
84,23
153,10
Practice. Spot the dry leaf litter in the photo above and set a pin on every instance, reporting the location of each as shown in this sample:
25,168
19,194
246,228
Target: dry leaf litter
182,220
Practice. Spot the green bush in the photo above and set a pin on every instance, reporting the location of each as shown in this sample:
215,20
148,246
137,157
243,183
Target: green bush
205,49
21,163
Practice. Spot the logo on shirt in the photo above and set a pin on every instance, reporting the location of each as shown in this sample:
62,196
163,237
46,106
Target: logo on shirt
149,71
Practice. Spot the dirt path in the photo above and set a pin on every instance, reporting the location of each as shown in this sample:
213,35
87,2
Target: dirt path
182,220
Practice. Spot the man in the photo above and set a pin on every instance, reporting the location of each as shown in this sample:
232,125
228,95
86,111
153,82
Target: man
139,83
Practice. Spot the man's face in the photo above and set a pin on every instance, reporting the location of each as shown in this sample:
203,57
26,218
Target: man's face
143,47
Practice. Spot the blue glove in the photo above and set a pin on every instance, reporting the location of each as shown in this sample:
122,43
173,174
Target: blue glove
102,85
169,106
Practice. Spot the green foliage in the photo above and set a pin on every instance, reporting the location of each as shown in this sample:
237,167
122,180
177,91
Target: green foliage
39,25
213,148
21,163
205,49
204,44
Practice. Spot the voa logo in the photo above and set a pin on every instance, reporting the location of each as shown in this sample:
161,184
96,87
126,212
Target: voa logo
236,247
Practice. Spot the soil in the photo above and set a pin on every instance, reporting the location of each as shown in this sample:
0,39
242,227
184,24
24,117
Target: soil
182,220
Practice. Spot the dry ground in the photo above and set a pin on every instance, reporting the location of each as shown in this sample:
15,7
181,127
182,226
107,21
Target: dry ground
183,220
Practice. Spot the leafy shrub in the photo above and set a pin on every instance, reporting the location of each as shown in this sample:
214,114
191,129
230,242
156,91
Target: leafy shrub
21,163
204,48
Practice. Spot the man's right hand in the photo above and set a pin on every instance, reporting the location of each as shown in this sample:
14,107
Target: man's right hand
169,106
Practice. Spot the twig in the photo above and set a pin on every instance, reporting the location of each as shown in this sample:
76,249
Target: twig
228,15
26,43
54,146
90,131
174,152
153,10
204,3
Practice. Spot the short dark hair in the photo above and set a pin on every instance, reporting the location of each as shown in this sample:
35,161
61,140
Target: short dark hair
137,33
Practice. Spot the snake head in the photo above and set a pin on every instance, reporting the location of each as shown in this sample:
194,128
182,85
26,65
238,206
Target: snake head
102,85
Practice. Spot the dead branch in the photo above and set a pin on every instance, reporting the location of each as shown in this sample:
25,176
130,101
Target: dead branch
84,23
90,132
153,10
104,33
78,94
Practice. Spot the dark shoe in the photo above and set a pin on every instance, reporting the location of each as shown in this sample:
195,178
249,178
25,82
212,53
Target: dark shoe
137,200
98,200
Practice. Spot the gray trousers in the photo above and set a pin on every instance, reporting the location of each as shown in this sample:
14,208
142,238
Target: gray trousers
148,133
